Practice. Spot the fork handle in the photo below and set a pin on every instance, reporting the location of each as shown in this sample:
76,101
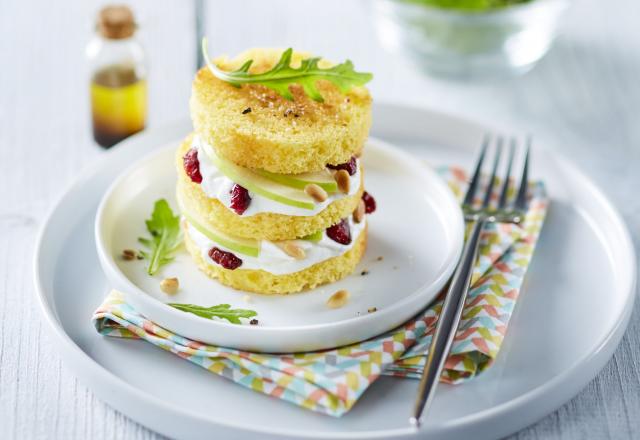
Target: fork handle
447,324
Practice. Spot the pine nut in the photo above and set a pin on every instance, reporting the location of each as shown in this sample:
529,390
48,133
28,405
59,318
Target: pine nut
169,285
343,180
358,214
338,299
293,250
316,192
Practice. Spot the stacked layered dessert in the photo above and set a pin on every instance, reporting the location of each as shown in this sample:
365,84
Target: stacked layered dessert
270,186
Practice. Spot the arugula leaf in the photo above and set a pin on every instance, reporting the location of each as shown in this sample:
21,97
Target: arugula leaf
223,311
469,5
282,75
164,228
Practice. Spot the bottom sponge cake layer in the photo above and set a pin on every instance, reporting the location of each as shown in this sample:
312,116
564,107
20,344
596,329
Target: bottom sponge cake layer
260,281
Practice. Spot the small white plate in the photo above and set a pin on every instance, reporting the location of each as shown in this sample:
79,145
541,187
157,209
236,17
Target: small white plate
417,229
574,309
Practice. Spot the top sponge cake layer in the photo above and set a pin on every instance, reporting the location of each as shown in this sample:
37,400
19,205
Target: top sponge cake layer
255,127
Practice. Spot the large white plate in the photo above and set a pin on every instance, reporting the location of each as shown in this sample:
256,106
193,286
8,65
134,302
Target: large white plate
420,252
573,311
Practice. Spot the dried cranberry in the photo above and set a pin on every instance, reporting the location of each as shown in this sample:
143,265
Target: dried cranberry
225,259
369,202
192,165
240,199
340,232
350,167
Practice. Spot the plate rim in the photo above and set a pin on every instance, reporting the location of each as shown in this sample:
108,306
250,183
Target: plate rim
599,355
438,187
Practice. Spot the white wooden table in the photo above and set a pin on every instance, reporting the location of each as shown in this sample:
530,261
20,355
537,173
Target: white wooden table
584,98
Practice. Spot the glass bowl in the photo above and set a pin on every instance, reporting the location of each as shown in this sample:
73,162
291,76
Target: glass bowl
451,42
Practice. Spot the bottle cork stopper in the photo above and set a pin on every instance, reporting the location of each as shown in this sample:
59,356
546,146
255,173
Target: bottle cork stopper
116,22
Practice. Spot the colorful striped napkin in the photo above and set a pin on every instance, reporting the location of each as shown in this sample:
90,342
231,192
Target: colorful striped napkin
332,381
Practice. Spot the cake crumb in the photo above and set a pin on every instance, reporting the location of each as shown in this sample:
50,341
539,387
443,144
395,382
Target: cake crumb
372,309
128,254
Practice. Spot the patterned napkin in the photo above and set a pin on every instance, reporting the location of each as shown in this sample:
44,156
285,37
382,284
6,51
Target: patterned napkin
331,381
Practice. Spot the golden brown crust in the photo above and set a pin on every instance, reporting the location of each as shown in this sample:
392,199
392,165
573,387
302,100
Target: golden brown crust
278,135
260,281
267,226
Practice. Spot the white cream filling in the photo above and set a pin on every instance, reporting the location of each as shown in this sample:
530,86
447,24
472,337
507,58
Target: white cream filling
273,259
218,186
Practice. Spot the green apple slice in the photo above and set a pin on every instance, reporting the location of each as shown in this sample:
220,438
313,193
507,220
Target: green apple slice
323,179
244,246
258,184
315,237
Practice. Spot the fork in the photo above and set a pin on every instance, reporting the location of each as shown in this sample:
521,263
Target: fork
454,301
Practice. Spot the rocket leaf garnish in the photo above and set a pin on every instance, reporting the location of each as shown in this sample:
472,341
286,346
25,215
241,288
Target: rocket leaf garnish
282,75
222,311
164,228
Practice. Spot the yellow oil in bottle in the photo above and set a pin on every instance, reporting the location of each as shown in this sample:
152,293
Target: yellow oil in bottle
118,104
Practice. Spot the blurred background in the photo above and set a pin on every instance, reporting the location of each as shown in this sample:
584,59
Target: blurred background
583,93
583,99
583,96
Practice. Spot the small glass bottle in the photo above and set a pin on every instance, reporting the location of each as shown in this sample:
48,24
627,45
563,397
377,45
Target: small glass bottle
118,77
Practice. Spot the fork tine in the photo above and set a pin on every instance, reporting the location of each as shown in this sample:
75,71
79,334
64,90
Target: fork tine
473,185
505,186
521,200
494,172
